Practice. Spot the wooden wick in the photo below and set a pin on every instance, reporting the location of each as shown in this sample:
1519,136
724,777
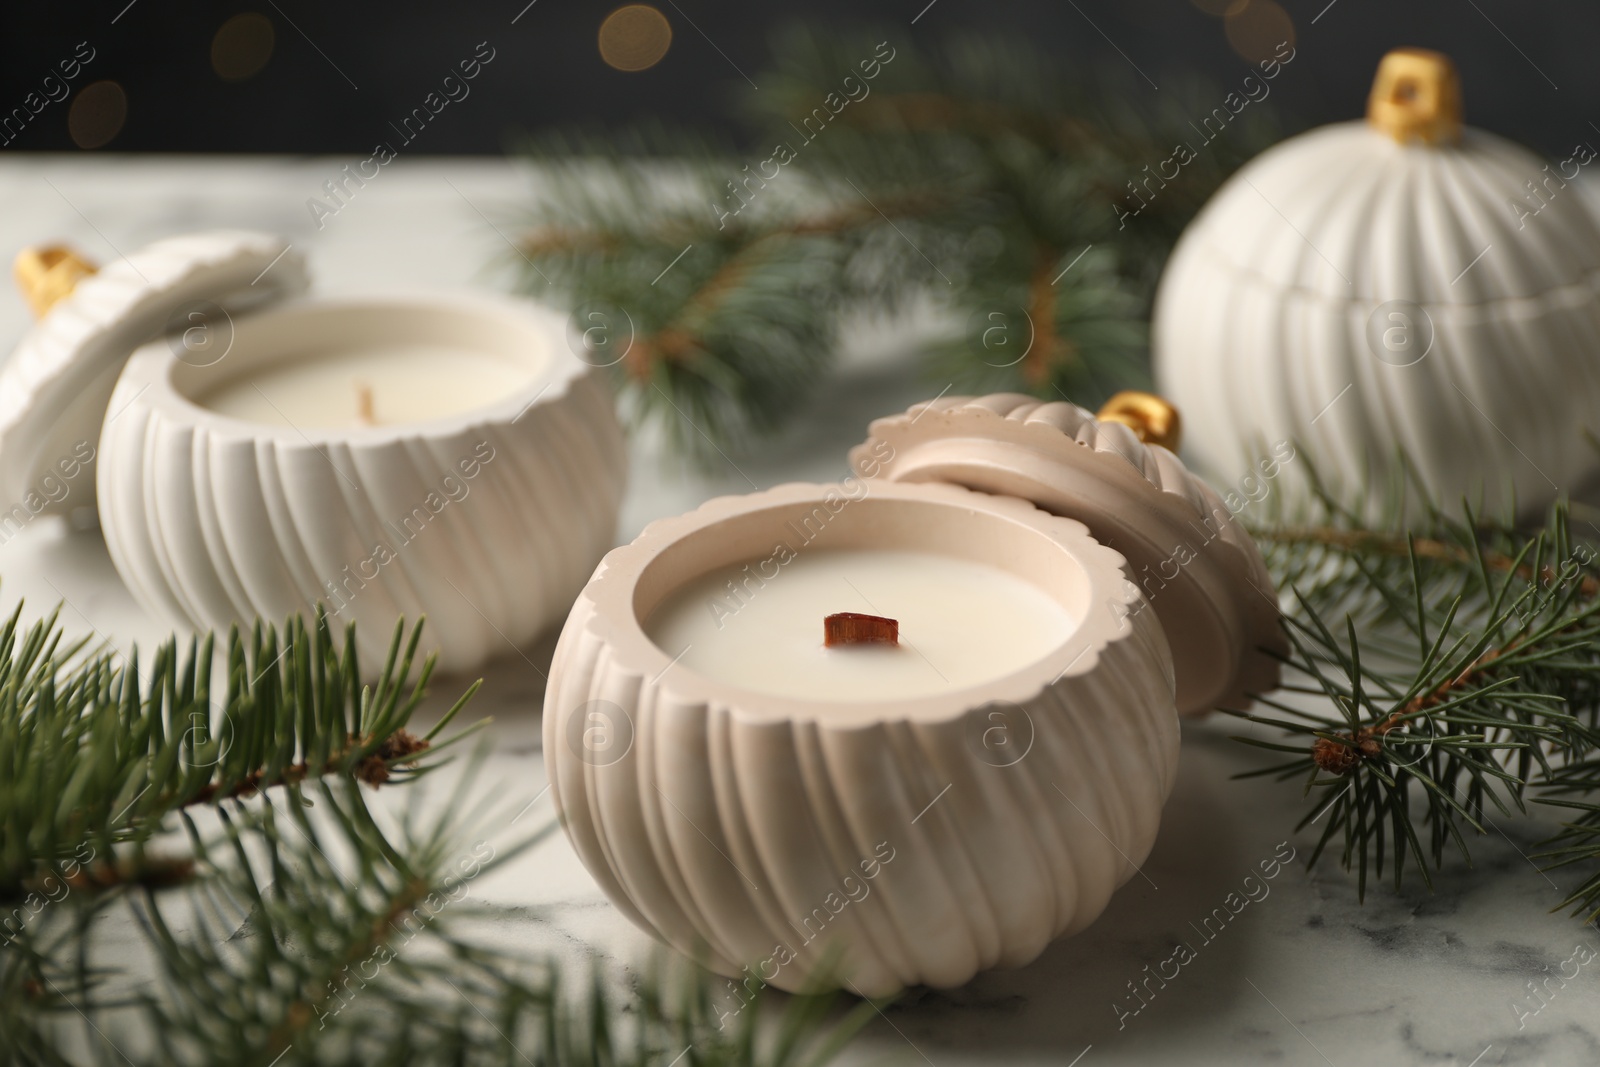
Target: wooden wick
364,413
853,628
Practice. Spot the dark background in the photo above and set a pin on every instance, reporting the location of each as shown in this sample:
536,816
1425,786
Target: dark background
338,73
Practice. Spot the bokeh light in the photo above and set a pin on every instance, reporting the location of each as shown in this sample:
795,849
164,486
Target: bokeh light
1258,28
634,37
242,46
97,114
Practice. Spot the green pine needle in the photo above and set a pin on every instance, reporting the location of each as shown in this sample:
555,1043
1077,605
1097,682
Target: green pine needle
712,280
1462,660
99,751
303,927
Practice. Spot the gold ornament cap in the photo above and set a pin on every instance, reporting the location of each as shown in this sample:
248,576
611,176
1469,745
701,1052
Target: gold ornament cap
57,385
1152,419
1416,96
47,274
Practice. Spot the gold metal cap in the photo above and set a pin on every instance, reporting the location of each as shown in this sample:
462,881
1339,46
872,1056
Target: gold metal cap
1416,96
1155,421
46,274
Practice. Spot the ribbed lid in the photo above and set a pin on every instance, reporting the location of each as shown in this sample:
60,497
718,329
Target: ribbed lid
1200,572
55,387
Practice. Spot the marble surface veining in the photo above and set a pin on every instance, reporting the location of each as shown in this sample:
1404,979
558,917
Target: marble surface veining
1294,971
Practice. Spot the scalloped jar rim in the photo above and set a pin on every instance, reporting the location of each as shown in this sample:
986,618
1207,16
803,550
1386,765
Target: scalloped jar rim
153,365
615,594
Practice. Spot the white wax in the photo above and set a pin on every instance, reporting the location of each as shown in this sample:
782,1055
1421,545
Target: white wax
410,383
961,624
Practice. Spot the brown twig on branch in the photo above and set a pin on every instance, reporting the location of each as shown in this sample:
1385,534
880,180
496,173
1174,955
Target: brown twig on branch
555,240
1049,347
301,1013
1355,541
1340,756
939,112
680,338
402,746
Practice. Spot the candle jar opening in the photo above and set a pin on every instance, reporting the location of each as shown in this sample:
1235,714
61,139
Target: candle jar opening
994,598
348,364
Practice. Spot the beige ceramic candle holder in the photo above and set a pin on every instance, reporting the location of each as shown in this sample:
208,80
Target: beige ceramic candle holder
879,845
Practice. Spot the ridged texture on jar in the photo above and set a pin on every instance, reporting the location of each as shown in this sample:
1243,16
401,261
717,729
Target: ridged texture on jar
1200,570
212,526
737,834
1261,324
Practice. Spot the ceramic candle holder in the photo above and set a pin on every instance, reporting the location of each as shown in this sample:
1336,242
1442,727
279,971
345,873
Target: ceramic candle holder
255,451
785,822
485,521
876,844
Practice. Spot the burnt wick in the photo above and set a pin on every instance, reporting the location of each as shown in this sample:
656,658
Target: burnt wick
854,628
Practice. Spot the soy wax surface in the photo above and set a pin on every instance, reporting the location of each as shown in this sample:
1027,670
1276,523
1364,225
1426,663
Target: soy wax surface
962,623
404,384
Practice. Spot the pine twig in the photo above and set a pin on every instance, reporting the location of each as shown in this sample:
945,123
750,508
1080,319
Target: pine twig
100,758
974,173
268,952
1487,636
1362,542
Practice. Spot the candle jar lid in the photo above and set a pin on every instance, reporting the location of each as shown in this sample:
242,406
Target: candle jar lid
55,388
1199,570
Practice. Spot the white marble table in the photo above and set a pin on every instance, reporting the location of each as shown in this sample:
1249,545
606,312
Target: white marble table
1305,975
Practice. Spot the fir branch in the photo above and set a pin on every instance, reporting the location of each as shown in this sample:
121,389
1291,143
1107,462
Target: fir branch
278,954
1465,669
100,752
1360,543
301,930
713,281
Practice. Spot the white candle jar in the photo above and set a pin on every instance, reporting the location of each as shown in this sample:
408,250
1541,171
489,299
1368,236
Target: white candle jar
447,455
755,813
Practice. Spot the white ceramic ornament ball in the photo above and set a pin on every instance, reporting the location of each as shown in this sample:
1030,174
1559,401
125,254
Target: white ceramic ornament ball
1396,287
884,842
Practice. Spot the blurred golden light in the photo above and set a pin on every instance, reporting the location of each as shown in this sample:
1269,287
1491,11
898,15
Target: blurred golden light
97,114
634,37
1258,28
242,46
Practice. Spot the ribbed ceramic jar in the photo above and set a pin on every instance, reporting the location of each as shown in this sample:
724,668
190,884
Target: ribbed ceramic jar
874,845
488,522
1366,295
